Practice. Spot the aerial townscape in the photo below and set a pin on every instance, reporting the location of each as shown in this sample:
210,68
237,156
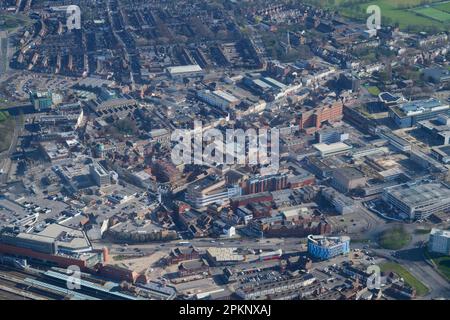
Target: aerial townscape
224,150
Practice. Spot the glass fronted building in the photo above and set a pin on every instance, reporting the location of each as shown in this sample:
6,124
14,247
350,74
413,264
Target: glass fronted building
324,248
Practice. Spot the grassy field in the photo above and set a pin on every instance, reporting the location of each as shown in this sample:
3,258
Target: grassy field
412,281
443,6
433,13
3,116
373,91
394,238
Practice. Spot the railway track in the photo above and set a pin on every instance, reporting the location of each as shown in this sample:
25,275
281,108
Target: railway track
13,281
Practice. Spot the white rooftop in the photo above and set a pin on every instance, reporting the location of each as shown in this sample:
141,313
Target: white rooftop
440,232
184,69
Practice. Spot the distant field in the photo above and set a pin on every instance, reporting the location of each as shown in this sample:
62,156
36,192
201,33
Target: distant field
408,14
433,13
443,6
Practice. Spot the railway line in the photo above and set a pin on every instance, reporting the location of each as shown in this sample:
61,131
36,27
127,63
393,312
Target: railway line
12,282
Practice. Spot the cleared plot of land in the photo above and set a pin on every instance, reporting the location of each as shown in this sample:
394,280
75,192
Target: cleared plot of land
409,279
433,13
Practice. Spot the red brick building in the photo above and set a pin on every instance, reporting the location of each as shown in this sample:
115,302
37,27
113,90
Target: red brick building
182,254
251,198
311,120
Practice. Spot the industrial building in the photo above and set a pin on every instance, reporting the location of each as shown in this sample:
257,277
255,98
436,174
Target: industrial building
439,241
223,256
328,150
188,71
324,248
418,200
218,98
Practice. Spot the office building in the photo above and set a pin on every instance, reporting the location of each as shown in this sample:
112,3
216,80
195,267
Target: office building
439,241
99,174
438,128
324,248
340,202
41,100
394,140
311,120
329,136
408,114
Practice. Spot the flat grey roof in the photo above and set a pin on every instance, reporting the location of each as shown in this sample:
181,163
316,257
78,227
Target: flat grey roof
420,193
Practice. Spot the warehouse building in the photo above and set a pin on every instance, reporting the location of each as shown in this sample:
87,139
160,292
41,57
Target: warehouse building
223,256
218,98
189,71
328,150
